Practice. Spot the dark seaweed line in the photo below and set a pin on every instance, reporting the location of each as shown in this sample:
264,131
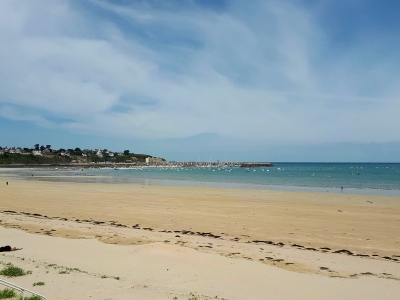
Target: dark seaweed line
394,258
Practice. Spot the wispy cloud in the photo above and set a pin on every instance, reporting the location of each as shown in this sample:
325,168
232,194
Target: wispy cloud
262,70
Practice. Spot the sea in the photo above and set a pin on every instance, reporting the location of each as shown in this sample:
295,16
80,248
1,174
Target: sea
349,178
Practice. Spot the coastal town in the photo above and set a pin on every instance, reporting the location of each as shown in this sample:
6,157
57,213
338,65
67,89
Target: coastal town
41,154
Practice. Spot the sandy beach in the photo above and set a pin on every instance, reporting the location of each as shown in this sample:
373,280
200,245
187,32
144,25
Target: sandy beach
125,241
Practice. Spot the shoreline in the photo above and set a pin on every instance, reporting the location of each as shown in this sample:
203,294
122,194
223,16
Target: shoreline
74,176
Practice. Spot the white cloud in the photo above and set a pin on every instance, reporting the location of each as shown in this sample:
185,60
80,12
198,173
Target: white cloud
247,73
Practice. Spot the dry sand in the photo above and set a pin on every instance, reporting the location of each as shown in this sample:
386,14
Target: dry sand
165,242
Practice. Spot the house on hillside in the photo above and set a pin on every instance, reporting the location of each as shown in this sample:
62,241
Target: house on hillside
47,151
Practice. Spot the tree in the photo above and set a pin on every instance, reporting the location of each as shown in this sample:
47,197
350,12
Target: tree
77,151
48,146
42,148
126,152
36,146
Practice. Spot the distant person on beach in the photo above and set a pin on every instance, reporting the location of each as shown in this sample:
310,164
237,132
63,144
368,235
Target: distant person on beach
7,183
341,188
8,248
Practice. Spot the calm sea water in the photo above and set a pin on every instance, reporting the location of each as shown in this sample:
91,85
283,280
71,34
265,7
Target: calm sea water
356,178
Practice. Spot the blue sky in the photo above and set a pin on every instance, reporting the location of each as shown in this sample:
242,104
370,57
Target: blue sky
198,80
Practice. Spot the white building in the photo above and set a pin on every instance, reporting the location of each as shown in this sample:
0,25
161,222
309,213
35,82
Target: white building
153,160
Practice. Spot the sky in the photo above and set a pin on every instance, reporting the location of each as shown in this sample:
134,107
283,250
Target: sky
200,80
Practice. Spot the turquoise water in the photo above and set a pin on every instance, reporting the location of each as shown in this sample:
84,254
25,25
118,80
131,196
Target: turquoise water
364,178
